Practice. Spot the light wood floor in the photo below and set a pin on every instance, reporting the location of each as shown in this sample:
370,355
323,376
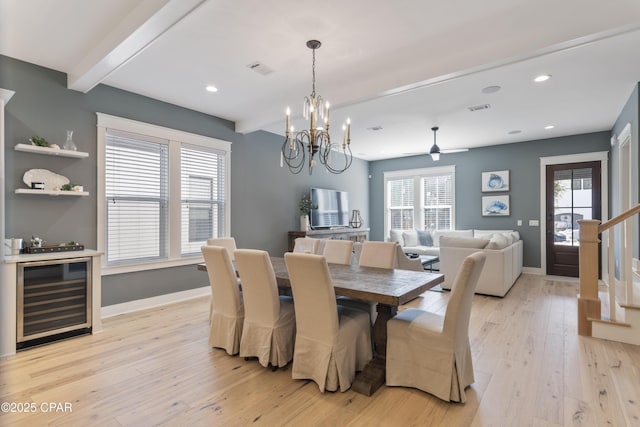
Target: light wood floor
154,368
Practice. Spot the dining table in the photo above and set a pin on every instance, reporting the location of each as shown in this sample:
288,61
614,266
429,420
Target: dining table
388,288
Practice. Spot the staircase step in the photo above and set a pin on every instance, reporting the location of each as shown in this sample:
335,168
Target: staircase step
615,331
630,306
609,322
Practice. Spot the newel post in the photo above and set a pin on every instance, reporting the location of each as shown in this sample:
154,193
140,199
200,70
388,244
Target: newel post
588,301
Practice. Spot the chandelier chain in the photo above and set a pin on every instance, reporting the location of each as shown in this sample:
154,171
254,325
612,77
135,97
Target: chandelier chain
313,74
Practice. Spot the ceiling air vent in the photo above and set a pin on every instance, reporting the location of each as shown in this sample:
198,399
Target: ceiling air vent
260,68
479,107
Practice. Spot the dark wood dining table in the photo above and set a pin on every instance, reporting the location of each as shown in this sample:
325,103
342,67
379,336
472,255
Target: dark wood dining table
388,288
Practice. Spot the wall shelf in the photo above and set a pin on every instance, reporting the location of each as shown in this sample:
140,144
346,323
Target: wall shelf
28,148
51,193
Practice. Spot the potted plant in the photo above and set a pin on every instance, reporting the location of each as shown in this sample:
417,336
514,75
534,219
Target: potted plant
305,209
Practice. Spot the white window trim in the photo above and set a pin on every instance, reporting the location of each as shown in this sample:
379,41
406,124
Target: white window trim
412,173
175,137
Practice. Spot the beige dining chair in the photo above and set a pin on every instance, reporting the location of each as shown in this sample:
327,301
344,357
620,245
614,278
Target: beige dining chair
229,243
332,342
431,352
307,245
403,262
269,320
338,251
226,242
378,254
227,309
372,254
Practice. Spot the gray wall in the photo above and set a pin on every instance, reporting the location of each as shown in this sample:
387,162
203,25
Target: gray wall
522,159
264,198
629,114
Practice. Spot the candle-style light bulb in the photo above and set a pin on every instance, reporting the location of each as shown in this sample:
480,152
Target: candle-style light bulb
286,129
348,130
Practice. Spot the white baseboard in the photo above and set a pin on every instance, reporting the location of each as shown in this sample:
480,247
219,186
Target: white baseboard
532,270
143,304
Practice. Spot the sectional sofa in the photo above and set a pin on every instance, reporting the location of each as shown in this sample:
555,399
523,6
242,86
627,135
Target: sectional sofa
502,247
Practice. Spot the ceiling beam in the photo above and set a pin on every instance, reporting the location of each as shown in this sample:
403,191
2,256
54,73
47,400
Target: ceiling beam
137,31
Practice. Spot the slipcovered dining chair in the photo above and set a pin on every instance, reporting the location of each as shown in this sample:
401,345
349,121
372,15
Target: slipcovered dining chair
226,242
372,254
338,251
431,352
269,320
227,309
403,262
378,254
332,342
229,243
306,245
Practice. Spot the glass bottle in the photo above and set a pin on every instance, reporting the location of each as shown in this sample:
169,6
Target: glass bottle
69,144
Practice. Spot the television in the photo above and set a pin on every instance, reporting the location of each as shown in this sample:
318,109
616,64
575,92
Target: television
331,208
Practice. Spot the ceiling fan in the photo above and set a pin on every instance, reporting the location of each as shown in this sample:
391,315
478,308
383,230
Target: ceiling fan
435,151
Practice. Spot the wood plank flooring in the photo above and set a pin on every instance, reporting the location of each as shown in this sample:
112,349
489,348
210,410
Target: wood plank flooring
154,368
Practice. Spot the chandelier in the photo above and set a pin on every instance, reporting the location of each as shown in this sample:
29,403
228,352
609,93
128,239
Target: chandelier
316,140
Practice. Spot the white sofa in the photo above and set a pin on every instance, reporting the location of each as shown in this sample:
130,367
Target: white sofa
424,242
503,264
502,247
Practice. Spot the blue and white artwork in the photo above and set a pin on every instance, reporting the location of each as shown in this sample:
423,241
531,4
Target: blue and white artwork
496,205
495,181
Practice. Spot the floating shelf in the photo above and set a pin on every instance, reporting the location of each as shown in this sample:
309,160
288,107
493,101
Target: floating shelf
51,193
50,151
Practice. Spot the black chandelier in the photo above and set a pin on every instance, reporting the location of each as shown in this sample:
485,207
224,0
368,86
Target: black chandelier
335,157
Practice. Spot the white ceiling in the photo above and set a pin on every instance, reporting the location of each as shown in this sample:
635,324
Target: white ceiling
404,65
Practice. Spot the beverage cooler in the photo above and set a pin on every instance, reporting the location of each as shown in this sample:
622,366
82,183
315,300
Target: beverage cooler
53,300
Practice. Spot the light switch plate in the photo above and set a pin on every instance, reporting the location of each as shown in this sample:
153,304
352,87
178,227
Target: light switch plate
534,223
519,222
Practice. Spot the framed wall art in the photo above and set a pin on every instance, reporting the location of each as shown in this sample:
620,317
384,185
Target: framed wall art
496,205
495,181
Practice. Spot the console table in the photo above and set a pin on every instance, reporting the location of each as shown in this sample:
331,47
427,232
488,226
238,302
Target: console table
355,234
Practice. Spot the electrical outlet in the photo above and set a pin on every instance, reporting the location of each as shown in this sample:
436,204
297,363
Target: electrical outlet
534,223
519,223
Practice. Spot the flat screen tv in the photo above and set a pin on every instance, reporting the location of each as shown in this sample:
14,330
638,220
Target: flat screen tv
332,208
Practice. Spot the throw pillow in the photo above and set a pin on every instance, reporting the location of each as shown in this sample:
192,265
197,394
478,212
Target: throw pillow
396,236
463,242
424,237
410,238
515,235
497,241
508,237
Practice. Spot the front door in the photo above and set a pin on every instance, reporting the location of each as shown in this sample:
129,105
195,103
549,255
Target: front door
573,193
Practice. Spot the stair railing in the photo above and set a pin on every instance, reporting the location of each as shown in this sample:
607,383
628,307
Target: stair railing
589,305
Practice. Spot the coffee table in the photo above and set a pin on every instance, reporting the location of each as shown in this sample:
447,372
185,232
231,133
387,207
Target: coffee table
428,261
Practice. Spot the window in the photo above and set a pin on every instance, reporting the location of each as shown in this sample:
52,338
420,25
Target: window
420,199
162,194
203,197
137,197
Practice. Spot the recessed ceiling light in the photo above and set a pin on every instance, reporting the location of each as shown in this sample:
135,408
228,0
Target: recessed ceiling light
549,127
515,132
542,78
211,88
491,89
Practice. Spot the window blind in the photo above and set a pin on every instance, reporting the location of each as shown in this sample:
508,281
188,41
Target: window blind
203,196
438,202
401,197
136,189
